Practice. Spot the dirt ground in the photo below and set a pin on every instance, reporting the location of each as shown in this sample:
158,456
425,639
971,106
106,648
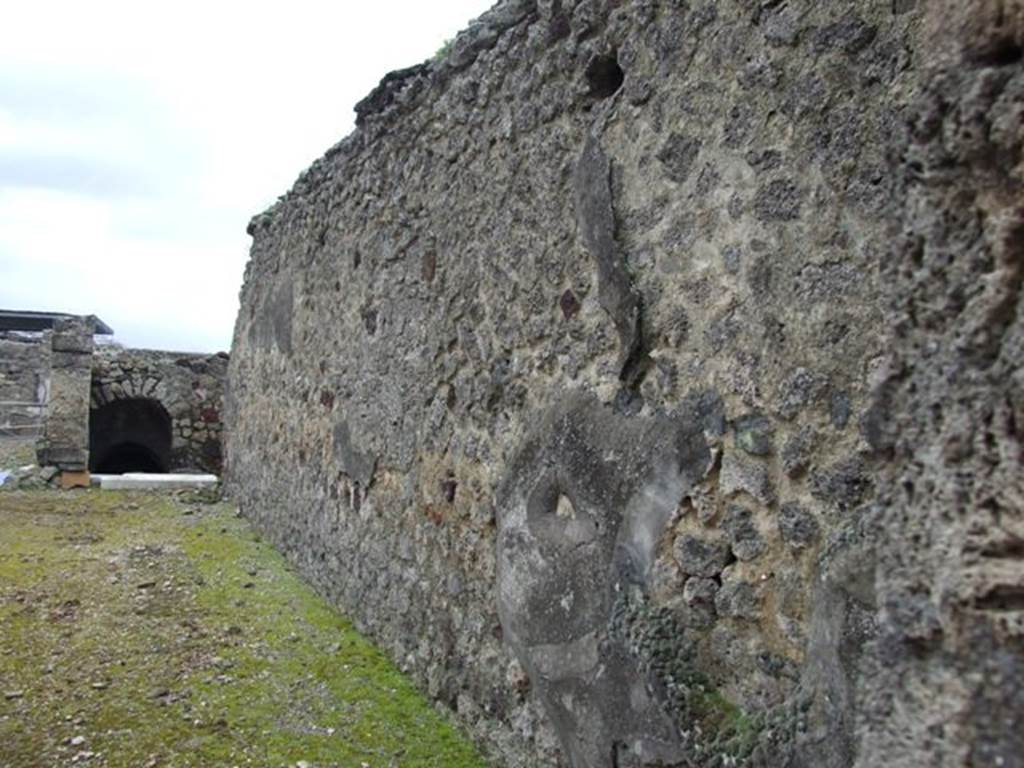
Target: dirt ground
143,630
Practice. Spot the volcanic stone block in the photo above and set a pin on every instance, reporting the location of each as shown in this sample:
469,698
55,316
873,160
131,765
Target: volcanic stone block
566,571
66,438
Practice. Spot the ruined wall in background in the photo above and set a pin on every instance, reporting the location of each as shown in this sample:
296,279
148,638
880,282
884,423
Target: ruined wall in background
65,441
189,387
568,374
24,383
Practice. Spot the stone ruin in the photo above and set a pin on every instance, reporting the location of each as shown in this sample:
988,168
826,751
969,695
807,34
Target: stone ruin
24,384
645,377
106,408
151,392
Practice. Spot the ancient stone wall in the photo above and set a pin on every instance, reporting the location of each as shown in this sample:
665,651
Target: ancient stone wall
166,404
945,685
24,383
189,388
65,441
570,375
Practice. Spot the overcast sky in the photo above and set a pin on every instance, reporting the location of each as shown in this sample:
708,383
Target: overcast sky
137,139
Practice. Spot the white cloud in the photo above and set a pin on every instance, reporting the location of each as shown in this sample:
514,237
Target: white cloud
137,139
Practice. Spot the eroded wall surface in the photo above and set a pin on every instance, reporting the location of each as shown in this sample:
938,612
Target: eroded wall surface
566,374
24,383
65,441
945,686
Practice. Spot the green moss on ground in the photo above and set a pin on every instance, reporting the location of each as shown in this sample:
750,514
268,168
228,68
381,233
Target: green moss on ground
136,630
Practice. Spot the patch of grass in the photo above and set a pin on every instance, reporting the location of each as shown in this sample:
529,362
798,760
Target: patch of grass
444,50
139,631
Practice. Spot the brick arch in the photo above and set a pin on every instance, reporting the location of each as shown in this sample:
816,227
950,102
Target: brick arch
189,388
107,390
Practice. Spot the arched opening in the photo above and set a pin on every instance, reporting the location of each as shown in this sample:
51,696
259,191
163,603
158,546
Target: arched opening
129,457
132,435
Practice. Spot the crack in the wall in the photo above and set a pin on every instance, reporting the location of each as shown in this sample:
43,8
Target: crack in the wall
595,216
